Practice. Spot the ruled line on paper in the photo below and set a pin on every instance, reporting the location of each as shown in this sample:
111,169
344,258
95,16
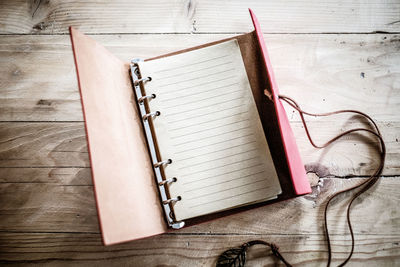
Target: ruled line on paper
222,174
204,99
169,92
194,71
204,114
217,167
184,143
207,121
201,107
208,129
165,100
195,78
215,151
203,146
198,62
223,182
236,195
227,189
224,157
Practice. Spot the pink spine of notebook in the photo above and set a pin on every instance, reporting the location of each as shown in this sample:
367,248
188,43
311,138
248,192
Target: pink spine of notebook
296,167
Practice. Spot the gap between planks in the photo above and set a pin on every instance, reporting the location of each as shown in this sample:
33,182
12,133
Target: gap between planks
202,33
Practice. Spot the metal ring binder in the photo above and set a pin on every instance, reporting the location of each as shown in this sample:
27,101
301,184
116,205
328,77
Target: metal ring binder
141,99
138,81
161,163
151,114
168,181
172,200
144,109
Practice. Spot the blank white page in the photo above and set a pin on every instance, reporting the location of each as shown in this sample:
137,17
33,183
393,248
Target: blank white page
210,128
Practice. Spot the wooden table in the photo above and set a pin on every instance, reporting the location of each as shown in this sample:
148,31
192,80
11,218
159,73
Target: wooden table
326,55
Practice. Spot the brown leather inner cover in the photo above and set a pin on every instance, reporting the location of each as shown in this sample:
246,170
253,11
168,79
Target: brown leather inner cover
256,73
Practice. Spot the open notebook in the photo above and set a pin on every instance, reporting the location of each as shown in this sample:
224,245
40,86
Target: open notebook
206,123
186,137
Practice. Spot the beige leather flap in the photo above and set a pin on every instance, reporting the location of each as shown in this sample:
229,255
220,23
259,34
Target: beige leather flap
126,193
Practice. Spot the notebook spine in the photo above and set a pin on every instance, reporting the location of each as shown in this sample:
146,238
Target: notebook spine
138,82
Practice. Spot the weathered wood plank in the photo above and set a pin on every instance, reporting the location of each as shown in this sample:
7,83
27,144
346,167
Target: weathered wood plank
68,206
323,72
48,214
49,144
53,176
43,144
123,16
190,250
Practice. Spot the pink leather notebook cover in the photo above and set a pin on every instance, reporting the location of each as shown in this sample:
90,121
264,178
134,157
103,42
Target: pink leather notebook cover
126,194
296,167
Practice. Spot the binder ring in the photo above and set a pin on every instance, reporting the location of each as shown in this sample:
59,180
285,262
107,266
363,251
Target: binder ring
147,79
151,114
172,200
141,99
168,181
161,163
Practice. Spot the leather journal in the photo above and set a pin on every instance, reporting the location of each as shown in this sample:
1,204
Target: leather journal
185,137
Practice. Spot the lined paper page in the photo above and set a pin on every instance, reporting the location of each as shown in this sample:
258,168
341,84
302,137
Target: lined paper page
210,128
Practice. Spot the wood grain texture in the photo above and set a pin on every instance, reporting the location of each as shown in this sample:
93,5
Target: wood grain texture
63,144
322,72
202,16
64,249
69,206
43,144
47,210
64,215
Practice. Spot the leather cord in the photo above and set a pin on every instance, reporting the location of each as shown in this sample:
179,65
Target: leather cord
237,257
274,249
364,186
